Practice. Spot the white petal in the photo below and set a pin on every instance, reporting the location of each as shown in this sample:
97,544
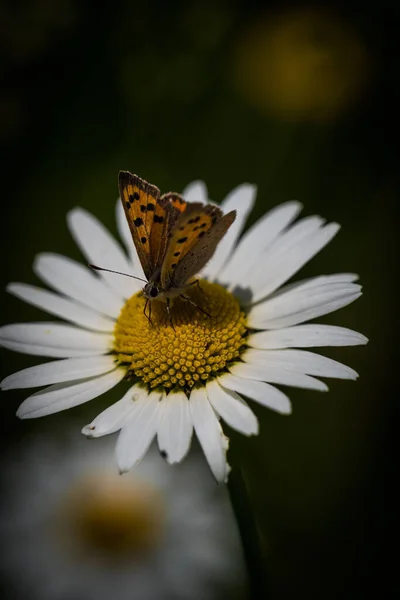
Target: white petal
66,395
53,339
209,433
284,265
101,249
259,391
61,307
126,236
78,282
123,227
314,282
232,408
302,303
300,361
291,238
276,374
196,192
46,351
115,416
138,432
305,336
59,371
242,200
256,239
175,427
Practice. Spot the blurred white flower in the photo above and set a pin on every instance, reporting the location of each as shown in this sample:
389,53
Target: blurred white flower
72,529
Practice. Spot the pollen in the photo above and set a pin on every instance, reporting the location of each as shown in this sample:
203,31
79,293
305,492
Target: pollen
199,339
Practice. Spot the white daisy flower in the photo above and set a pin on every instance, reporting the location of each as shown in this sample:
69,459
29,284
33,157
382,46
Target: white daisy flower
189,376
71,527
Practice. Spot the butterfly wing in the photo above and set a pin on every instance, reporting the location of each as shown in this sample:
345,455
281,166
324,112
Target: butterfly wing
150,219
202,251
199,227
177,201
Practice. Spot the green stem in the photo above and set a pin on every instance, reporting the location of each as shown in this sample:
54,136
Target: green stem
250,535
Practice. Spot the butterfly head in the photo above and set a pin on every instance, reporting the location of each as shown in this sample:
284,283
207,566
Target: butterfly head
151,290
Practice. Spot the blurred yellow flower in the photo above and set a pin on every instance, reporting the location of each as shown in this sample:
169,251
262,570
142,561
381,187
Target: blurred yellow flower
303,64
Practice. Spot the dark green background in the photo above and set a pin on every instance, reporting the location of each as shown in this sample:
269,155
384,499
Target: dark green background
143,86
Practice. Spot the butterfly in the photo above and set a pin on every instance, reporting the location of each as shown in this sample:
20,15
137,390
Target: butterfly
174,239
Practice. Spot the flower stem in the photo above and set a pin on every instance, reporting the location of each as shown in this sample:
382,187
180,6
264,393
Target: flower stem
254,553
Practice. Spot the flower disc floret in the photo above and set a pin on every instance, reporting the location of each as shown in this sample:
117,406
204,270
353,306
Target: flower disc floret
189,348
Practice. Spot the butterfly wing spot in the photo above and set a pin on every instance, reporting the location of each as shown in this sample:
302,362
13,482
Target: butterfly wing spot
133,197
158,219
143,239
176,253
138,222
182,240
150,207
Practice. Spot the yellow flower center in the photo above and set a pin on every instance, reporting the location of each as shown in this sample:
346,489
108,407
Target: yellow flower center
189,346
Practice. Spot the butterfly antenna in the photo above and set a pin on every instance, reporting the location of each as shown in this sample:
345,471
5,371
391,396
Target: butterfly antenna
96,268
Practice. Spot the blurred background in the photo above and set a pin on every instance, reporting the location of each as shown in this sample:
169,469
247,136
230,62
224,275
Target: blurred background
298,98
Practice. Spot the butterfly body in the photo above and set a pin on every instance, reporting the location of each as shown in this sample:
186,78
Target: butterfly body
174,239
153,289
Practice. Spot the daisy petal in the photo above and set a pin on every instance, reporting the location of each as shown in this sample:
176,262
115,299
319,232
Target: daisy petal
302,303
313,282
116,415
61,307
196,192
66,395
293,237
300,361
240,199
53,339
232,408
279,375
76,281
138,432
100,248
246,255
175,427
126,236
209,433
305,336
291,259
59,371
263,393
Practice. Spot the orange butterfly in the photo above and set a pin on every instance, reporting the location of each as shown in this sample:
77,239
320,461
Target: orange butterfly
174,239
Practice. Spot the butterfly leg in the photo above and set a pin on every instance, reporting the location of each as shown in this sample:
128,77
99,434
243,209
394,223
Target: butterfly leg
196,282
187,299
148,304
169,313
